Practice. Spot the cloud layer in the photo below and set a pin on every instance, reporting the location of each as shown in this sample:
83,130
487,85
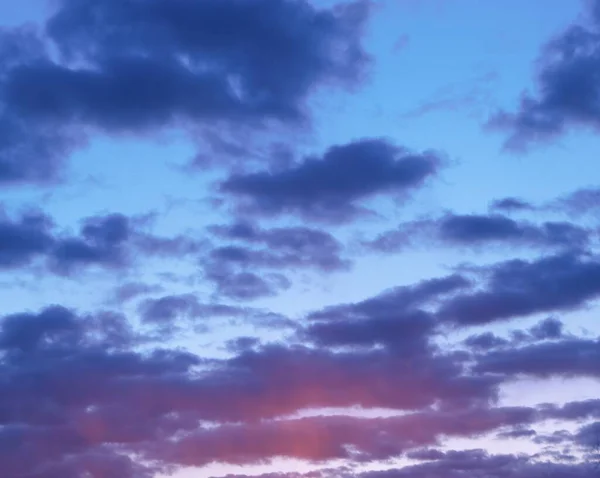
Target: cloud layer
306,297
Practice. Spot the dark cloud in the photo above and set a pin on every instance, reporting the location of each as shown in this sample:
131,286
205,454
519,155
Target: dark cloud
135,66
286,247
580,410
405,332
509,204
334,437
330,188
425,454
485,341
569,357
73,388
232,267
481,464
473,230
550,328
392,301
130,290
557,437
394,319
56,326
171,307
242,344
244,285
518,288
109,241
181,312
168,308
568,91
29,151
582,201
589,437
29,331
24,239
101,242
517,433
64,380
75,394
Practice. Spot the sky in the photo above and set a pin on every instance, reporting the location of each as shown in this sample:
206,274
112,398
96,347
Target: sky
299,239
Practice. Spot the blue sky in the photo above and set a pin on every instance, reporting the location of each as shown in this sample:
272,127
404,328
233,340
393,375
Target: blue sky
294,238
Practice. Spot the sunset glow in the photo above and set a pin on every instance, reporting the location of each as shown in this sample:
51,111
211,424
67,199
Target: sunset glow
300,238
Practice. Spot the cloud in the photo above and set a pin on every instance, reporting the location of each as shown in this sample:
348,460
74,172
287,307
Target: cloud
547,329
94,396
567,88
404,331
325,438
509,204
589,437
108,241
57,326
135,67
473,229
130,290
580,410
84,368
168,309
485,341
476,230
96,402
283,247
24,239
100,243
518,288
481,464
580,202
232,267
330,188
394,319
570,357
28,331
245,285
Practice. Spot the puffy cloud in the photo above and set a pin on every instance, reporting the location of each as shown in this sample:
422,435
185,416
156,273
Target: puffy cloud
581,201
394,319
232,266
485,341
550,328
547,329
580,410
133,67
107,241
518,288
77,395
24,239
568,90
330,188
73,388
245,285
282,247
